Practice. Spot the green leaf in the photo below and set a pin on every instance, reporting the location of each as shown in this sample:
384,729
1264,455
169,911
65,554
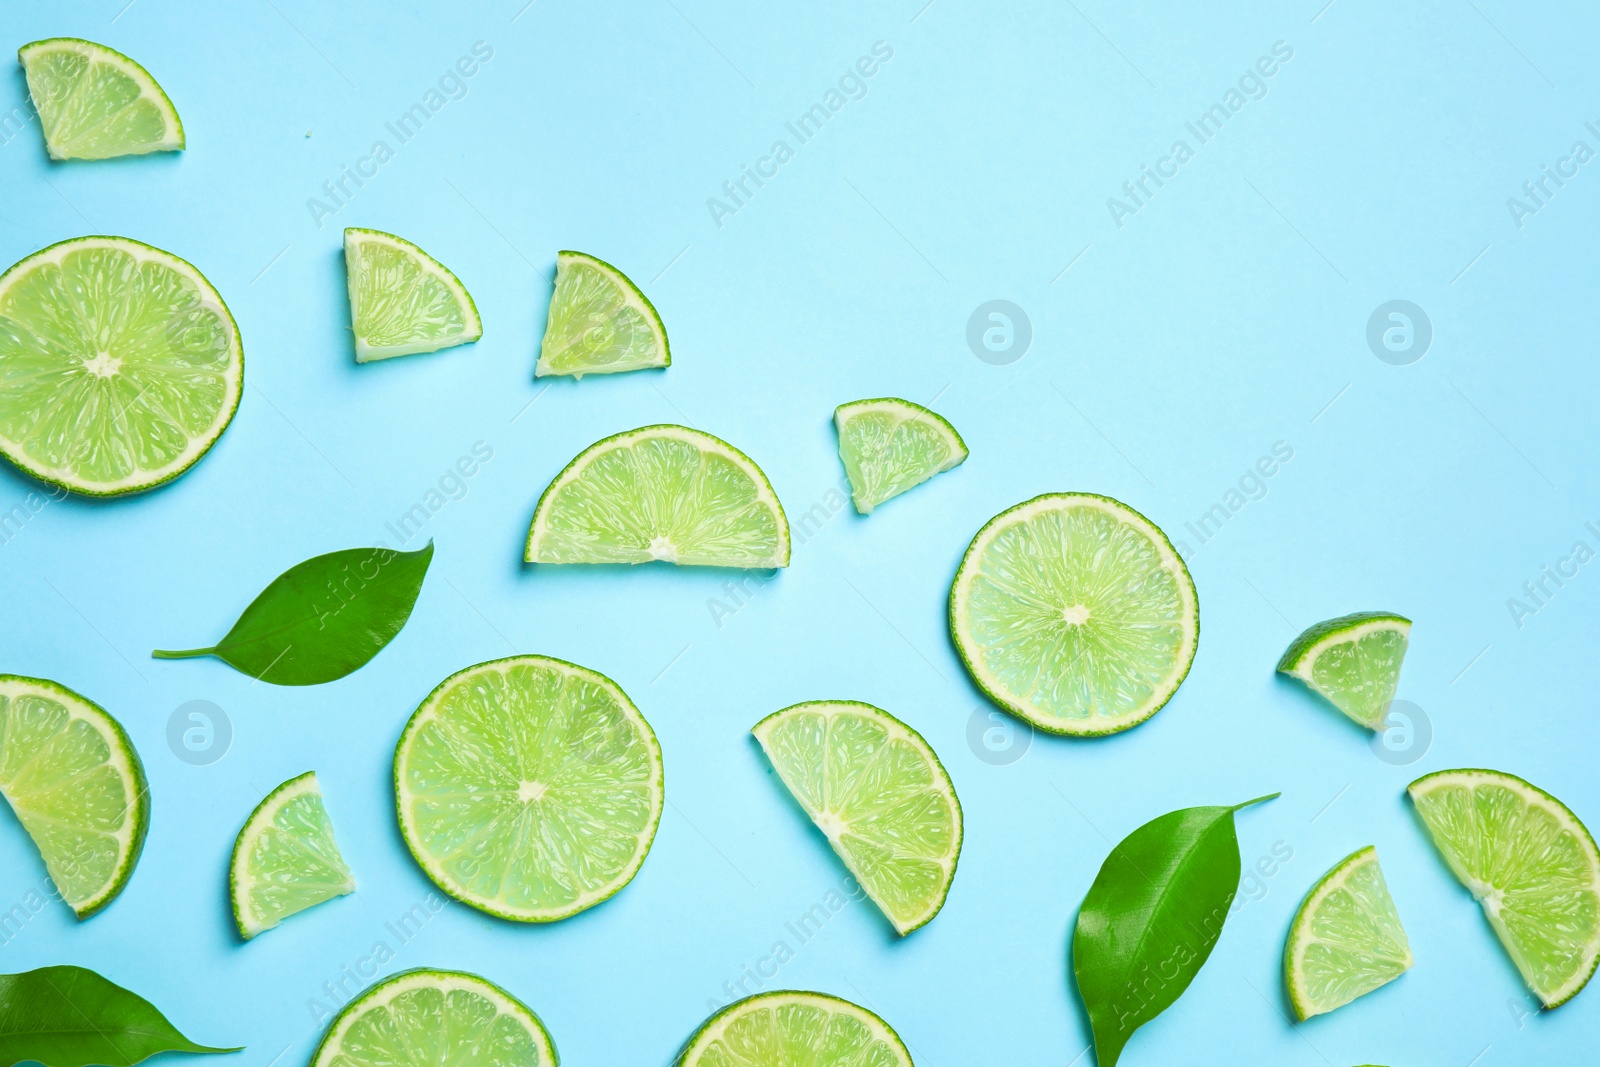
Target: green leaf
321,619
1151,918
72,1017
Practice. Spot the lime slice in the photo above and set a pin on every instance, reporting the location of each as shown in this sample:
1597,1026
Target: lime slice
1074,612
528,787
792,1029
880,796
890,445
1530,863
1346,939
402,300
1353,661
600,323
120,366
285,859
74,781
425,1018
661,493
95,103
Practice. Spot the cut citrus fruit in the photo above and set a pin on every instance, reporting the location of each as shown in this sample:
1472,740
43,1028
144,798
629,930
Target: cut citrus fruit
878,793
1353,661
285,859
120,366
785,1028
1346,939
1073,612
1532,865
528,787
600,323
661,493
890,445
74,781
95,103
425,1018
402,300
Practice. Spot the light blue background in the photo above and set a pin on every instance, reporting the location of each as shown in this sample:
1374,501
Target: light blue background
1225,316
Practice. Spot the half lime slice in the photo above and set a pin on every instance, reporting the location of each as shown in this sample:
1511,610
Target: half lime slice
285,859
528,787
889,445
878,793
120,366
402,300
600,323
1353,661
661,493
785,1028
74,781
1346,939
425,1018
1532,865
95,103
1075,613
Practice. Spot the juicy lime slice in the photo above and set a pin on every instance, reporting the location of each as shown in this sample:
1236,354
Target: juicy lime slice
880,796
1353,661
600,322
661,493
120,366
285,859
1532,865
890,445
426,1018
74,781
402,300
793,1029
1346,939
1074,612
528,787
95,103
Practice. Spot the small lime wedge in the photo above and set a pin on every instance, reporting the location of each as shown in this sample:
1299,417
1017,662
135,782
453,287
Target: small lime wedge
1346,940
785,1028
1353,661
402,300
600,323
95,103
285,859
889,445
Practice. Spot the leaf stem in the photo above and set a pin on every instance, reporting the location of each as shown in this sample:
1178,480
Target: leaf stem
187,653
1257,800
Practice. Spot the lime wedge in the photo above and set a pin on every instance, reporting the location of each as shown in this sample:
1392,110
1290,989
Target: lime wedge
661,493
792,1029
120,366
285,859
426,1018
402,300
1074,612
600,323
528,787
890,445
880,796
1532,865
1346,939
74,781
95,103
1353,661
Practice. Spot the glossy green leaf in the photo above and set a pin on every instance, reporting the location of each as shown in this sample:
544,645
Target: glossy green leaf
321,619
72,1017
1151,918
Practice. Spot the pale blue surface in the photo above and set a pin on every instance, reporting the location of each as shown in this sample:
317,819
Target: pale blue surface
1220,319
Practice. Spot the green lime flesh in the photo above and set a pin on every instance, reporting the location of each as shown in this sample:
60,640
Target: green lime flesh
600,323
1346,940
285,860
402,300
890,445
1353,661
95,103
794,1029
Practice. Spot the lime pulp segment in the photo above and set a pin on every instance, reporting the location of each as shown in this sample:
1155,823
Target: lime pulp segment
876,790
890,445
1353,661
600,323
1346,939
402,300
285,859
95,103
789,1029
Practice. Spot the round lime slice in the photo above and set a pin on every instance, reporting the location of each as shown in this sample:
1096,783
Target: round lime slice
402,300
74,781
528,787
95,103
425,1018
786,1028
661,493
1353,661
1346,940
1074,612
600,323
889,445
1532,865
285,859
